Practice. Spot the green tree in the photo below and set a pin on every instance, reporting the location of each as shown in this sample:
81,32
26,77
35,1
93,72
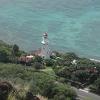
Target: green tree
38,59
4,55
70,56
95,87
81,75
15,50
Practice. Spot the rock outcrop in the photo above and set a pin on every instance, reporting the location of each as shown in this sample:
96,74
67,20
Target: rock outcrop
30,96
5,89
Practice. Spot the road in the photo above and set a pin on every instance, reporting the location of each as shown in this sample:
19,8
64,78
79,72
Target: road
85,95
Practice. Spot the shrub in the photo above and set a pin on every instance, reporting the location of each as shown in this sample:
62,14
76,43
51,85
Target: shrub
59,91
49,62
38,65
96,86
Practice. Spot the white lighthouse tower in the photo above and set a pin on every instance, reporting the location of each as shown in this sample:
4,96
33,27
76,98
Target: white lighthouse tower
45,51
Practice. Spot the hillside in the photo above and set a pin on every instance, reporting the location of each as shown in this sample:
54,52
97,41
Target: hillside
26,80
50,79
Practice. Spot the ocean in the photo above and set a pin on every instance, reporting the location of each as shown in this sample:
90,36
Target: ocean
72,25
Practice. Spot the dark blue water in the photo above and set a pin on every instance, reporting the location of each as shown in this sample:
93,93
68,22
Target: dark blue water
73,25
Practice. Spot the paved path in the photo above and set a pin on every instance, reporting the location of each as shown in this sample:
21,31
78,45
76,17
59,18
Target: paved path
85,95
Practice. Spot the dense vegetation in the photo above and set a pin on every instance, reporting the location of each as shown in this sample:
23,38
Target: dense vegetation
47,77
9,53
26,80
81,73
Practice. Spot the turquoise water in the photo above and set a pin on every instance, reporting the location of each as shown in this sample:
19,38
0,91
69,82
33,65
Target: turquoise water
73,25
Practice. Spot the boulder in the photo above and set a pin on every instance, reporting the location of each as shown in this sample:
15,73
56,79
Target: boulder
5,89
30,96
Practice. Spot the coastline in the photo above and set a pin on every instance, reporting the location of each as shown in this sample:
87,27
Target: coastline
96,60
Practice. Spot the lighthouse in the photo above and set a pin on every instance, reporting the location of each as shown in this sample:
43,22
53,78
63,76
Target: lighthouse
45,51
